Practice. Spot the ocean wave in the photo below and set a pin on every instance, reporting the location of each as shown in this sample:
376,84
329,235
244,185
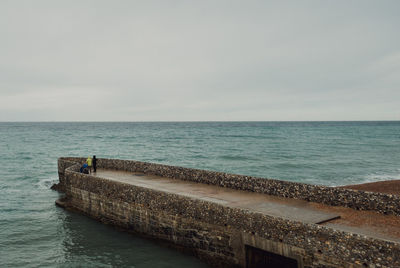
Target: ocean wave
236,157
262,137
46,183
381,177
94,137
371,178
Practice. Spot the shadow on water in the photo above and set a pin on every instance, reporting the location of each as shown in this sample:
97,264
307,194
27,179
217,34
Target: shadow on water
86,241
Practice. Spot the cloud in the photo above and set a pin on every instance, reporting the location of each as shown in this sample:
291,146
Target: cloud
208,60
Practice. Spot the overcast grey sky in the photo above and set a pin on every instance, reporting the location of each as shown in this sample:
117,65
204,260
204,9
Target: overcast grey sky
199,60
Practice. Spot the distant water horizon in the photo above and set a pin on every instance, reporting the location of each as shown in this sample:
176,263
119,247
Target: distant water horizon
33,232
202,121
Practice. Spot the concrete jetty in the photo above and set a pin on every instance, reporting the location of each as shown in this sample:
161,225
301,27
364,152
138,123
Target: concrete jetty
232,220
285,208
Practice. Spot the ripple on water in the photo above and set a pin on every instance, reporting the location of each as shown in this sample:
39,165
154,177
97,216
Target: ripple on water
36,233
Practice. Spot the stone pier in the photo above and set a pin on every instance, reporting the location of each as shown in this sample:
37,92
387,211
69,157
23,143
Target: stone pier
232,220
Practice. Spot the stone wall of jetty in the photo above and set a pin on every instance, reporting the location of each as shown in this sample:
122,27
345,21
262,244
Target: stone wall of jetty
217,234
333,196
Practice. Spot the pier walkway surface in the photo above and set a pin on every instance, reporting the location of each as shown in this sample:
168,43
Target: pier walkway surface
366,223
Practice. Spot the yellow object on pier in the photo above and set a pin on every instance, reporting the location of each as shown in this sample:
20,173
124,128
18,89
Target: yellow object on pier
89,161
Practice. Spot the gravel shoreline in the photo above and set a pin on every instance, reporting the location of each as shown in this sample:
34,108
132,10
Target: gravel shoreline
387,187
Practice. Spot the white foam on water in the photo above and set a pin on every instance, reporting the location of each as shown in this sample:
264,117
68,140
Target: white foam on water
378,177
381,177
46,183
374,177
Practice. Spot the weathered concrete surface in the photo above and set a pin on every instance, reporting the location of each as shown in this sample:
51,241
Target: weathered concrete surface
333,196
210,225
285,208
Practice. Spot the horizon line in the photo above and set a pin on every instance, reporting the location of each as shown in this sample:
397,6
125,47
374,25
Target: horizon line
196,121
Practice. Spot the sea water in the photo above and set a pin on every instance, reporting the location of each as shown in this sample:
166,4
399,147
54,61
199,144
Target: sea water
36,233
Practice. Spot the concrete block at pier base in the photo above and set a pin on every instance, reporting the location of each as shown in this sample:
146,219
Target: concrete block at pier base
61,203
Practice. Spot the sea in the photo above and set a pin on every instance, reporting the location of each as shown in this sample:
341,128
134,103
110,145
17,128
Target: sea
36,233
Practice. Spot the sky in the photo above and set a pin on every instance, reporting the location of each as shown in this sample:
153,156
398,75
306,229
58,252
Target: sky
199,60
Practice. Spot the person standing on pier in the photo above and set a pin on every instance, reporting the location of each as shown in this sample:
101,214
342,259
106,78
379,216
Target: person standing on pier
94,163
89,162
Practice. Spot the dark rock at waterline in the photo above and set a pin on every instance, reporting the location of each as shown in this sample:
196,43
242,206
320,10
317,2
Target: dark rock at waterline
57,187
